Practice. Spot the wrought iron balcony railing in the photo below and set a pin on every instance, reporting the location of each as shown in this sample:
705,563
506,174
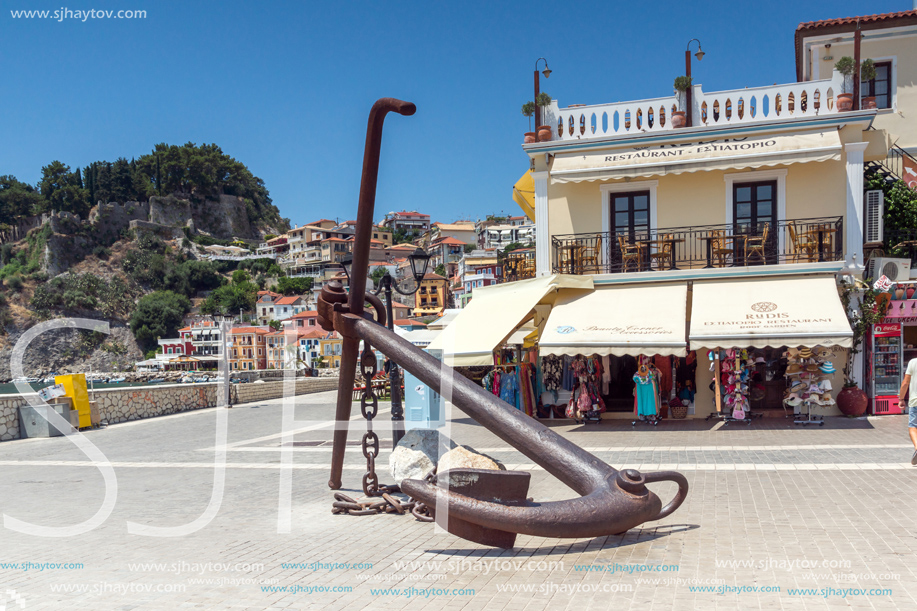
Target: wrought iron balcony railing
519,265
709,246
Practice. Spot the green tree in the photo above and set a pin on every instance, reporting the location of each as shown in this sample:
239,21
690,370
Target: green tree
60,190
293,286
440,270
158,315
17,199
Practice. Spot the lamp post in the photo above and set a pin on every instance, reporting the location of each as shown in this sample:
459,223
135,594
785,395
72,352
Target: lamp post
419,261
547,73
689,94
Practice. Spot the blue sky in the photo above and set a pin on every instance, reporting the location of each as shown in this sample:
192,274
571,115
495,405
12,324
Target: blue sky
285,87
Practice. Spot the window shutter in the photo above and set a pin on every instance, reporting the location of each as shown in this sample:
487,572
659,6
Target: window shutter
875,209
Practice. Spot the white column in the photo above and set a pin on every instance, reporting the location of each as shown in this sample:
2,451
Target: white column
542,225
853,224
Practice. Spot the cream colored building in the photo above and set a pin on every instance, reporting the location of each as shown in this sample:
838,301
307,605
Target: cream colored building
733,233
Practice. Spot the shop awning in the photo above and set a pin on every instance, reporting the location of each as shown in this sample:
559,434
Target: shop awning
717,154
495,313
801,311
524,194
632,320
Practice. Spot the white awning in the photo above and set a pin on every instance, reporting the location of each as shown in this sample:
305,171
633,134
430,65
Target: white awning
643,319
495,313
801,311
717,154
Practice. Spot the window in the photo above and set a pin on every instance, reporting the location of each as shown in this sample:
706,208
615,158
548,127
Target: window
879,87
170,351
630,213
754,208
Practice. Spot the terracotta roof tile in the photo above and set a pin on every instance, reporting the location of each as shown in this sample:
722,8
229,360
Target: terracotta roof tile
288,300
306,314
404,322
244,330
863,19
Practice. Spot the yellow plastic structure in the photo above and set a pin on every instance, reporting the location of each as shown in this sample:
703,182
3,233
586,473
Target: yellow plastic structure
75,388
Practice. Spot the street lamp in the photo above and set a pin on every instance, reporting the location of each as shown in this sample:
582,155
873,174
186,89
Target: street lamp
547,73
689,94
419,261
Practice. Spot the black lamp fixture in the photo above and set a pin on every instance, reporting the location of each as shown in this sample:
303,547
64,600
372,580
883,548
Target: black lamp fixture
700,52
419,261
347,263
546,72
689,93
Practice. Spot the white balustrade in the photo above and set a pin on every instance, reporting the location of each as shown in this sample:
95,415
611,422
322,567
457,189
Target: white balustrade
737,106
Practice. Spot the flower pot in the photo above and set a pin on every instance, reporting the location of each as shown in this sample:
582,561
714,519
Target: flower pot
909,292
844,102
544,133
530,137
900,293
869,102
679,119
852,401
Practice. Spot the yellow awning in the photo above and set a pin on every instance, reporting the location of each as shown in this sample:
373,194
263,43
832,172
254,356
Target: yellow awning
801,311
524,194
632,320
719,154
495,313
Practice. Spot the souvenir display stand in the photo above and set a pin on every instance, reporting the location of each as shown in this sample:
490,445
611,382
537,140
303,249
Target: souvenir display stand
808,386
732,371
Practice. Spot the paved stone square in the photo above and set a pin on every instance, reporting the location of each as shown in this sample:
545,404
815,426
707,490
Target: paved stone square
773,508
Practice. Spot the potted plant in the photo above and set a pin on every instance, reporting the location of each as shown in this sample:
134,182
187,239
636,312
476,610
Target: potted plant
544,131
867,73
528,109
681,86
871,309
845,66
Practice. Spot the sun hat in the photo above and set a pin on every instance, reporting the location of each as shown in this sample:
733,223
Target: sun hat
814,399
824,353
794,368
798,386
811,367
805,353
793,401
826,385
827,367
826,399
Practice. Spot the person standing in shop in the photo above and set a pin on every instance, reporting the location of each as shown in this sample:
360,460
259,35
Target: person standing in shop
910,384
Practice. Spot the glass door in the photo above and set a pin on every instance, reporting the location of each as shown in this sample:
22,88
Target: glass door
754,213
630,214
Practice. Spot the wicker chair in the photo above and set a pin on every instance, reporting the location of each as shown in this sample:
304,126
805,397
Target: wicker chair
589,257
665,253
803,244
630,254
719,247
755,244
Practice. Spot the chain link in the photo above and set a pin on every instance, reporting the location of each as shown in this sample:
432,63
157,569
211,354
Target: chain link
368,369
343,504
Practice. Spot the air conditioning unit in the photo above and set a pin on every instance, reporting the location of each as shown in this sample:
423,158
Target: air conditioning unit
896,270
875,209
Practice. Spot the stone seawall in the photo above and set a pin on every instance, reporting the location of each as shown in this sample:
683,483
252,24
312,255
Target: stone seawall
134,403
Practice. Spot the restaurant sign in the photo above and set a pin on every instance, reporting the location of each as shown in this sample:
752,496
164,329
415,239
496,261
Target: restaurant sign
703,150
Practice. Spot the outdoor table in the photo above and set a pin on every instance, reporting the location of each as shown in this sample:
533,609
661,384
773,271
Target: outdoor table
660,242
710,239
572,251
820,232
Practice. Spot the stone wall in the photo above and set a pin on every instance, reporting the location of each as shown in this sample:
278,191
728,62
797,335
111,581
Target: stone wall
134,403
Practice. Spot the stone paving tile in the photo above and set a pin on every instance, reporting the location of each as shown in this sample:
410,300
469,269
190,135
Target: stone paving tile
741,528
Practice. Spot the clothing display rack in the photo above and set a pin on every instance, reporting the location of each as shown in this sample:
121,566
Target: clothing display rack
647,399
732,370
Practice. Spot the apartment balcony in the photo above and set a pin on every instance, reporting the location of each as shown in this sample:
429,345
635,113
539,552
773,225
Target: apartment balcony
773,103
709,246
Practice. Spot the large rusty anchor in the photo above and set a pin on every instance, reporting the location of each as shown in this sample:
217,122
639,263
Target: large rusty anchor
487,507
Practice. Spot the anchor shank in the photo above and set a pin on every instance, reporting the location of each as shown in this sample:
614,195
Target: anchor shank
566,461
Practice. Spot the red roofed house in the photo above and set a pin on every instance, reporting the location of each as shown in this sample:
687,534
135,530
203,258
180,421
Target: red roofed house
448,252
307,319
271,307
248,348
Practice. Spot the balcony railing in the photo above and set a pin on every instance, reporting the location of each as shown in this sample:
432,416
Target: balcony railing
731,245
519,265
736,106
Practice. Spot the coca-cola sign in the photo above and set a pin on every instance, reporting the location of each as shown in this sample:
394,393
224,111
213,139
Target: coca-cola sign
888,329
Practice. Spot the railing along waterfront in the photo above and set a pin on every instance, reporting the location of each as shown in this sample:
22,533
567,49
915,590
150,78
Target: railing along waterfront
735,106
708,246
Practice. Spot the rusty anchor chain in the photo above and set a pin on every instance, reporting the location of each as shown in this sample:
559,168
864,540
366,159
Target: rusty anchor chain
487,507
